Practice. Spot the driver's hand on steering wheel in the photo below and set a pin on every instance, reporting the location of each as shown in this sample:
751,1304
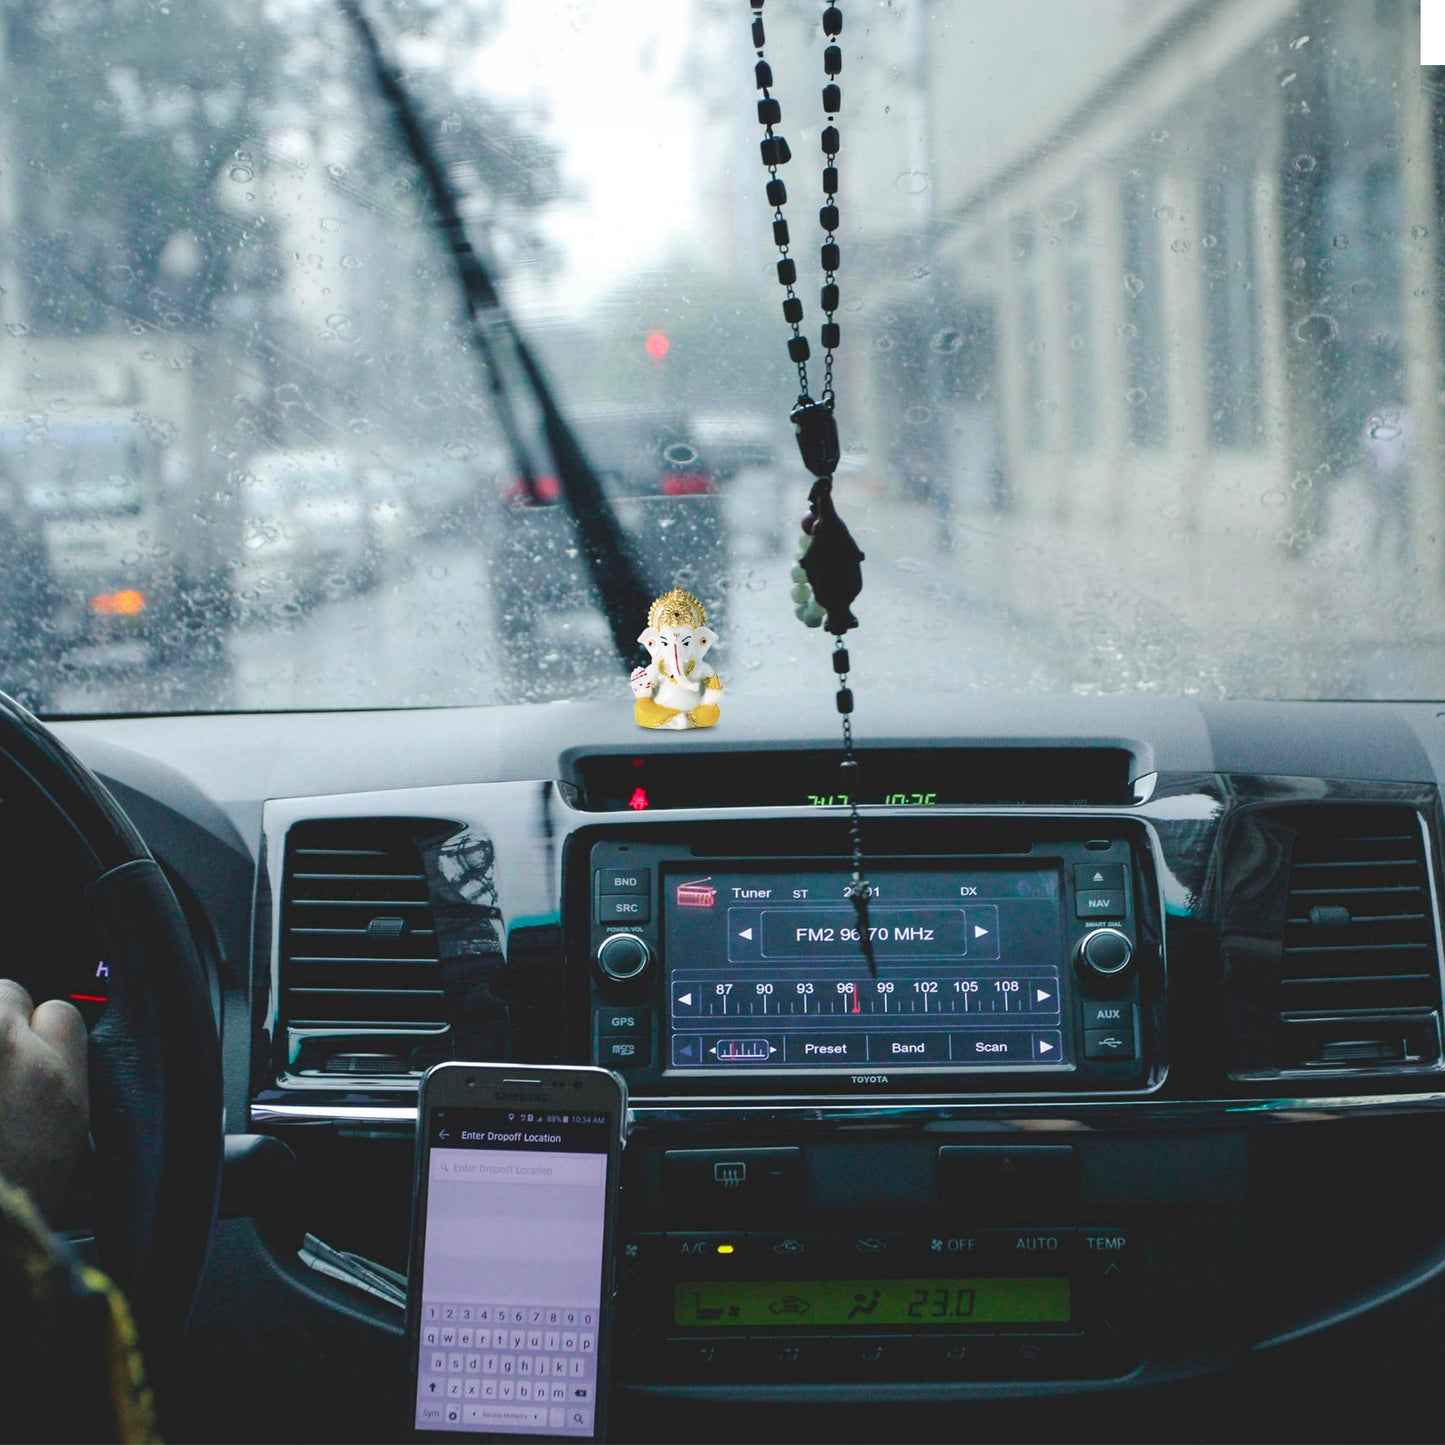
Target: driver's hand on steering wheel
44,1096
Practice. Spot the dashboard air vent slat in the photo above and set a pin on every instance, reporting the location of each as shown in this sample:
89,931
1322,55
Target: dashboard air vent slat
358,946
1360,976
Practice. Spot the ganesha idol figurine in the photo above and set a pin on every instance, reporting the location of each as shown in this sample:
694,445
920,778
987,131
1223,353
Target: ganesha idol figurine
677,689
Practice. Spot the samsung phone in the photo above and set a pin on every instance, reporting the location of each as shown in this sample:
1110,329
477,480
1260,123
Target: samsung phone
510,1290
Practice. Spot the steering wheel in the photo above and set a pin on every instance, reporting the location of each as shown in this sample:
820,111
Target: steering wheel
155,1075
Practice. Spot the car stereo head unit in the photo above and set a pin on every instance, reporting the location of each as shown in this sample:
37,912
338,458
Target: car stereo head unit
713,975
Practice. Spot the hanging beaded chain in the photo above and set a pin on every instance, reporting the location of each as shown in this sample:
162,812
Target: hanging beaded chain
814,421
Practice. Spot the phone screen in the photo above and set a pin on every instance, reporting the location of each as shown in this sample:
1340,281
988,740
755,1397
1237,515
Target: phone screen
512,1271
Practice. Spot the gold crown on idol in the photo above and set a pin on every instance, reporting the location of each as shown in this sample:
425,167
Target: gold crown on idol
676,609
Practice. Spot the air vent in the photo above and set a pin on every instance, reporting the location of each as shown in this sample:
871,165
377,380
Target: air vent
1360,984
360,984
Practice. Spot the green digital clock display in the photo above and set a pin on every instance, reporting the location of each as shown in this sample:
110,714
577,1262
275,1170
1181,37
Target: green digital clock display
889,800
872,1303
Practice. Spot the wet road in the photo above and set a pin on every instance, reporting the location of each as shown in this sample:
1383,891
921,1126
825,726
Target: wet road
433,631
428,634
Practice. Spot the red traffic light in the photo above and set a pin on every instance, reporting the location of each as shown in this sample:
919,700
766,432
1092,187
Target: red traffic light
657,345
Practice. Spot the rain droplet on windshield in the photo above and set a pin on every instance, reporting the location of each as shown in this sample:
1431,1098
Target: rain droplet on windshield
1133,284
1317,327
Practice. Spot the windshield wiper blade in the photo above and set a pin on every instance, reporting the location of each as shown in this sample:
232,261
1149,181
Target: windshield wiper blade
613,569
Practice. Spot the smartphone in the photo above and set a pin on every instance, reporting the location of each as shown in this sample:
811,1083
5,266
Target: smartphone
510,1290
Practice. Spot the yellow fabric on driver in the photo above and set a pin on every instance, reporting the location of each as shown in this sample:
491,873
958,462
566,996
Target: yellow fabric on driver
71,1366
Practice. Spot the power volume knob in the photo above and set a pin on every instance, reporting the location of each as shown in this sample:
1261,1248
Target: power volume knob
1104,956
623,957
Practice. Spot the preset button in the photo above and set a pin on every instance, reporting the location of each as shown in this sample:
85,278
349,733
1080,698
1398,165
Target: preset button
826,1048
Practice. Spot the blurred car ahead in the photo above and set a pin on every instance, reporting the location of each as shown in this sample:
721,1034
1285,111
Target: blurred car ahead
666,500
309,531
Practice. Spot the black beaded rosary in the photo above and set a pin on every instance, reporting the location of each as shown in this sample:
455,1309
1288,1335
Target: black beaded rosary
828,576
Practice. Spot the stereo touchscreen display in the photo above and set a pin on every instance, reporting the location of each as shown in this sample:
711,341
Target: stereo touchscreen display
765,970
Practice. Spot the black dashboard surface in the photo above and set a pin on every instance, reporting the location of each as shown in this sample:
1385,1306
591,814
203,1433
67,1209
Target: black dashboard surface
1287,1220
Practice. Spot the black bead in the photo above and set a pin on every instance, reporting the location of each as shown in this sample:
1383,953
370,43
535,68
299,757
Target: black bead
830,180
840,660
831,335
830,140
769,112
764,73
830,297
780,233
832,100
832,20
758,34
775,151
828,217
832,56
831,255
845,699
798,348
777,193
849,768
787,271
793,310
757,4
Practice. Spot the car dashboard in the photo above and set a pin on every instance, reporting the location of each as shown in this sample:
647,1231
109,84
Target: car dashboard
1135,1107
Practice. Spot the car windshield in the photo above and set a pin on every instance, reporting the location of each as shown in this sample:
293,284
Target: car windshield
1138,376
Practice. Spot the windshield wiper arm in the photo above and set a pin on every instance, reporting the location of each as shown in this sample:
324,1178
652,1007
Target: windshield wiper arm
613,569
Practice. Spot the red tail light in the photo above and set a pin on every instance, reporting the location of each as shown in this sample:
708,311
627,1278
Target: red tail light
684,484
513,489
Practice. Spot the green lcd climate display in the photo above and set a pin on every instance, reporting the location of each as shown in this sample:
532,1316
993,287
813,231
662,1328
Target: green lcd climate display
873,1303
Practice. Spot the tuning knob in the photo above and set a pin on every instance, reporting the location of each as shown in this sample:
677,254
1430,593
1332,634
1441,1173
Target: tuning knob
623,957
1104,956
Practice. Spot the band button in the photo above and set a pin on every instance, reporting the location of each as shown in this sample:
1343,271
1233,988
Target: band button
623,880
916,1048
